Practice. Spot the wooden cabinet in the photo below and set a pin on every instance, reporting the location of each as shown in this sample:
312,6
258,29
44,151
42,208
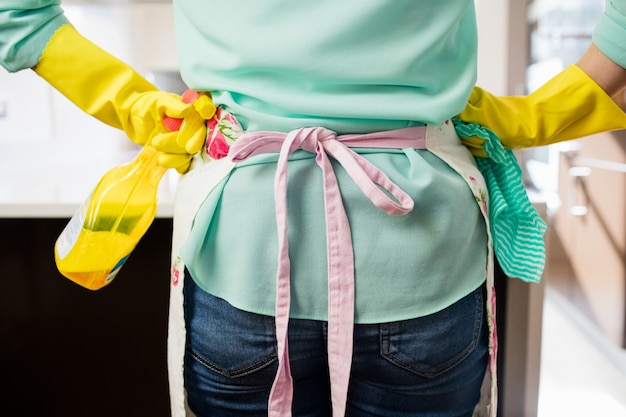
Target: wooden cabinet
591,227
69,352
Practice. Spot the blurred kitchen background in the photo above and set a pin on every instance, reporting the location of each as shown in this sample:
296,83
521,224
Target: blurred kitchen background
67,352
41,129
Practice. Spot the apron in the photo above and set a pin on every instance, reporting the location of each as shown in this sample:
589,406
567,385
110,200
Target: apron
226,145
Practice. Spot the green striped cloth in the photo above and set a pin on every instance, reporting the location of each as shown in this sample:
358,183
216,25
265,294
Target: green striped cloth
516,227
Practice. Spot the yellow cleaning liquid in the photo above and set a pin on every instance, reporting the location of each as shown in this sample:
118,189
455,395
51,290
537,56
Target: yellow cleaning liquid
106,228
89,262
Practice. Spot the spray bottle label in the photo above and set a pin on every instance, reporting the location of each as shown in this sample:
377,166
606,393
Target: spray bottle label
116,269
72,230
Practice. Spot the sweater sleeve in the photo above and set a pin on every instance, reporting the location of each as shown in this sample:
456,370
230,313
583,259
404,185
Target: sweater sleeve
25,28
610,33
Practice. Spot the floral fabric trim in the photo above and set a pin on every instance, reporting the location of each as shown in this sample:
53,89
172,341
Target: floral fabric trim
223,130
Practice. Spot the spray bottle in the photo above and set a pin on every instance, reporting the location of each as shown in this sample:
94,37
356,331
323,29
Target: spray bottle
103,232
106,228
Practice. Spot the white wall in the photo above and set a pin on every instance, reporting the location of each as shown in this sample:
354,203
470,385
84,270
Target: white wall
492,44
32,113
49,149
502,45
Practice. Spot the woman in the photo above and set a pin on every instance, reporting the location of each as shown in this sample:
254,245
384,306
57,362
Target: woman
300,295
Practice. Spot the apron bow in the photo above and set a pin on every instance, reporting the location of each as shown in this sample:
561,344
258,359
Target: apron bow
372,181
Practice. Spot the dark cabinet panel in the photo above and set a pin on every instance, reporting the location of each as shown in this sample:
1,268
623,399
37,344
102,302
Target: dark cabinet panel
67,351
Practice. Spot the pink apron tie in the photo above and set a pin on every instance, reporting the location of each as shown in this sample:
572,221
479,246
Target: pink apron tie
323,142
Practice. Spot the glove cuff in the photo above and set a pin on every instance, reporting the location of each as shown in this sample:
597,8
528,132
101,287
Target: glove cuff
572,105
95,81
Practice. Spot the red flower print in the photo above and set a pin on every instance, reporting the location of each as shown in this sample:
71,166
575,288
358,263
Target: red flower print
218,148
175,276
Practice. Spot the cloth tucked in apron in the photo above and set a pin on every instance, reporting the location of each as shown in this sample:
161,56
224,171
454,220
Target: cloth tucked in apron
433,145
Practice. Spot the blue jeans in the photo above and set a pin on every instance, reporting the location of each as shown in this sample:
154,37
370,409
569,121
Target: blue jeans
429,366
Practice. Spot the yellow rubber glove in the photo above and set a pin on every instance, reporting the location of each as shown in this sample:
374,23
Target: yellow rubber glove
111,91
188,134
569,106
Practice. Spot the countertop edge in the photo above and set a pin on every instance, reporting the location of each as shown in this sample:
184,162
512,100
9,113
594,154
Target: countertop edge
58,210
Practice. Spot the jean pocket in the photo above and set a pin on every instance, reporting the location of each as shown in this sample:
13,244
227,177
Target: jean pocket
229,341
432,345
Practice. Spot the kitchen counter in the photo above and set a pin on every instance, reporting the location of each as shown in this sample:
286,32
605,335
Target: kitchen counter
77,342
50,182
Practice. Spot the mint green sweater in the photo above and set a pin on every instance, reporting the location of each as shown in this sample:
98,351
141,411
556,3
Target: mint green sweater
351,67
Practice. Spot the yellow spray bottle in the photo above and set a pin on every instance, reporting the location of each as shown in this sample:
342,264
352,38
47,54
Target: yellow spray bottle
106,228
104,231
